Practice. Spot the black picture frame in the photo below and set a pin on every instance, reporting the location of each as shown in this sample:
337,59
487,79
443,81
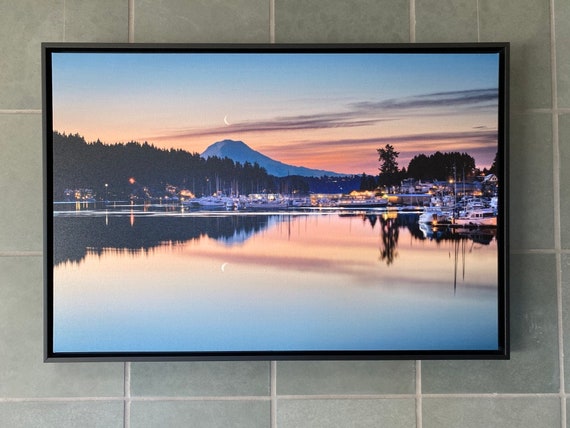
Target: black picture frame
135,223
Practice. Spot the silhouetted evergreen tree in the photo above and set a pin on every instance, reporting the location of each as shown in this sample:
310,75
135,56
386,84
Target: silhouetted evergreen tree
389,173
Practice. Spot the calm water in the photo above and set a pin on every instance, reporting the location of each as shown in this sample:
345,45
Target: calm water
136,280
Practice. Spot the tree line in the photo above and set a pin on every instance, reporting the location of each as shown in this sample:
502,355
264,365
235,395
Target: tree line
124,170
437,166
118,171
141,170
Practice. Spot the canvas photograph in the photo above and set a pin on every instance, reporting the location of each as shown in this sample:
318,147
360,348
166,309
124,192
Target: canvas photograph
220,202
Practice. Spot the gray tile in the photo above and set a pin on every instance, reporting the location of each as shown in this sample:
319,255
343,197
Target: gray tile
326,21
244,21
22,372
23,26
564,143
61,414
446,21
533,367
524,412
345,377
531,180
198,414
562,11
346,413
100,21
200,379
526,24
21,182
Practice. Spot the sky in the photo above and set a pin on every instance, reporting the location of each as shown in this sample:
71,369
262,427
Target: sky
324,111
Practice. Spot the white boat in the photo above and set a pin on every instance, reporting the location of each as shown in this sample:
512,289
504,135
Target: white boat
477,217
207,202
434,215
258,204
363,202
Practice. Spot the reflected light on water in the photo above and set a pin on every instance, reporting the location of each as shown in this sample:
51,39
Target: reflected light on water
289,283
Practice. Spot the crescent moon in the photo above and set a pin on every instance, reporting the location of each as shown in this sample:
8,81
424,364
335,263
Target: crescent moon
226,120
224,266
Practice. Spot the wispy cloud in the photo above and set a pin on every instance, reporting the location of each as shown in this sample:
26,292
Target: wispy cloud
284,123
353,115
468,98
484,137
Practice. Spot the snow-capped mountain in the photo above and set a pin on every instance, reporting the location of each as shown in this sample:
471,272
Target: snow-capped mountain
240,152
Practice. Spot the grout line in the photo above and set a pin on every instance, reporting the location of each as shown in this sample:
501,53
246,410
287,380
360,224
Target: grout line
131,21
347,397
555,138
272,21
478,28
557,212
495,395
57,399
64,18
412,21
21,253
201,398
273,385
419,402
422,395
127,396
20,111
532,251
560,310
538,251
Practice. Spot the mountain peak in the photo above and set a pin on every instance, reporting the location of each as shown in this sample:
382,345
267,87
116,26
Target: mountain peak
228,142
238,151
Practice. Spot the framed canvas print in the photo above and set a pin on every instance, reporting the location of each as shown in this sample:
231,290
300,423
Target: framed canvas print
216,202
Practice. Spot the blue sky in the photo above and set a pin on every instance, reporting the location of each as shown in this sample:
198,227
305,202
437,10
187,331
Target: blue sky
324,111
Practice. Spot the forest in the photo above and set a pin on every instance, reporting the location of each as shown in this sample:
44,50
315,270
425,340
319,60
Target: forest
439,166
140,170
119,171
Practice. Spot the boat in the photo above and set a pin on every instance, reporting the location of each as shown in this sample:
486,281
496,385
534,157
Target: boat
266,204
481,217
363,202
266,201
434,215
207,202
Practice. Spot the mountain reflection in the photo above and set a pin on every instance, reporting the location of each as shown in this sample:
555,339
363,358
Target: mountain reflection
73,237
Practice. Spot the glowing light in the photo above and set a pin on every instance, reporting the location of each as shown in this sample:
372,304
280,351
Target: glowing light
132,180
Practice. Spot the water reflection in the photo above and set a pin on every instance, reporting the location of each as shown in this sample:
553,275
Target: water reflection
131,231
391,223
299,280
74,236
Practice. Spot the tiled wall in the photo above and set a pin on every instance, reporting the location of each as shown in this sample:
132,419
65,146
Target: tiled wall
528,391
